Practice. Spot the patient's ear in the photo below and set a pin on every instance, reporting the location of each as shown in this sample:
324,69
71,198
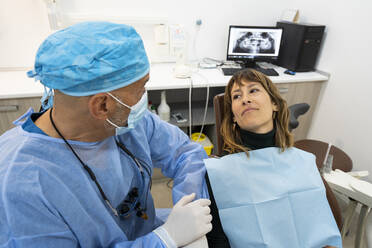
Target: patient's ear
274,106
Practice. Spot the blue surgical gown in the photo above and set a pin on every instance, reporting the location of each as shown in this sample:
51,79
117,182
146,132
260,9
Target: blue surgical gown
48,200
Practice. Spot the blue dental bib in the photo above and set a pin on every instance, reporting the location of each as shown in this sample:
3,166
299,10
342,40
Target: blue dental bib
272,199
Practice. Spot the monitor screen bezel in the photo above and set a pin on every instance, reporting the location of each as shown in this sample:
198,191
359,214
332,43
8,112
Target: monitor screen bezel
267,58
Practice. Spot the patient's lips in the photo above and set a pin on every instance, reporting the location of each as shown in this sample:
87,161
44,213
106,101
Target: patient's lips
248,110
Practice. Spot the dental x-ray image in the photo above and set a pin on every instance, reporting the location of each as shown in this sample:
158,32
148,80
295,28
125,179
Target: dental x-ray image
255,43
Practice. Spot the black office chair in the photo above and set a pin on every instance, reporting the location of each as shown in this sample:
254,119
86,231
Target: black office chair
295,111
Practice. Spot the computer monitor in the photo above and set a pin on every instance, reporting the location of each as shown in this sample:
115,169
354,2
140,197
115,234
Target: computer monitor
249,44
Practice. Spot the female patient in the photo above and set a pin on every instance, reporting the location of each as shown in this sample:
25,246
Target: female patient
255,117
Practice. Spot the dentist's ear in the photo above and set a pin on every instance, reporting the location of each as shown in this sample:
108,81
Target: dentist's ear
99,106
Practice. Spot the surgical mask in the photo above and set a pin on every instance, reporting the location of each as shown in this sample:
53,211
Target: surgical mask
136,113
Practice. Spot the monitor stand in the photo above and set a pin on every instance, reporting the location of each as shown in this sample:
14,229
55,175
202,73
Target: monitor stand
249,64
252,64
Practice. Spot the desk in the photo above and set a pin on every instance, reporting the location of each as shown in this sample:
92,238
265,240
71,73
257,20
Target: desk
17,92
15,84
342,183
161,78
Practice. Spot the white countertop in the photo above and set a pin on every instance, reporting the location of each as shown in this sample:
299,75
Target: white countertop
16,84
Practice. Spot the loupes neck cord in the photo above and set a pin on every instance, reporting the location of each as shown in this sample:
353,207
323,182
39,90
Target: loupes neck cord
140,167
90,172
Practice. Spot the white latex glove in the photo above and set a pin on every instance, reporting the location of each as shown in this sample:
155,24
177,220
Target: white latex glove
200,243
187,222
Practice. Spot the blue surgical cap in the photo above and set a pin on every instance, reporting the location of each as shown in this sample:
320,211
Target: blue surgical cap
91,57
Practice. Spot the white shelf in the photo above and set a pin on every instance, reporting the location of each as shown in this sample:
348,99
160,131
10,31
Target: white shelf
197,114
16,84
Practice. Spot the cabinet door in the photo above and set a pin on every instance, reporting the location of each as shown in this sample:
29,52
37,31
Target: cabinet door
306,92
11,109
284,90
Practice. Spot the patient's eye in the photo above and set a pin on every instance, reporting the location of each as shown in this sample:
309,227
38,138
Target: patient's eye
235,96
254,90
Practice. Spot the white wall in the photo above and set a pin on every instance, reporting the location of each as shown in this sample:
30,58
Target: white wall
344,113
23,26
215,15
23,23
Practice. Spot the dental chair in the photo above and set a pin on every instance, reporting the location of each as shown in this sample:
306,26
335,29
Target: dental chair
319,148
341,161
295,111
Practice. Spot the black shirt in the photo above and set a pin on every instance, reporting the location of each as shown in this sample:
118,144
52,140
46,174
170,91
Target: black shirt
217,238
